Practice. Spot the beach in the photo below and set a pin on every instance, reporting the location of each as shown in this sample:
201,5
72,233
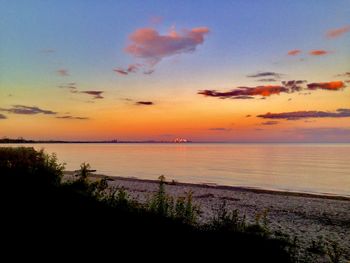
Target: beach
305,216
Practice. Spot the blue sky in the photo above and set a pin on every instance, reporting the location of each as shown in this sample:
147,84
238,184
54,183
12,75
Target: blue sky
88,40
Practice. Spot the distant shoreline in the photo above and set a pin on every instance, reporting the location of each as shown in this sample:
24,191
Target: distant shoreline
4,141
155,142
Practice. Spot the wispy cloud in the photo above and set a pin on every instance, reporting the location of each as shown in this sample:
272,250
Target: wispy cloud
345,75
219,129
337,32
318,52
147,103
121,71
265,74
149,44
132,68
2,116
70,86
294,85
265,91
332,85
294,52
245,92
267,80
27,110
97,94
296,115
63,72
69,117
269,123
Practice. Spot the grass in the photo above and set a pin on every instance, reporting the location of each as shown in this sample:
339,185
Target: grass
92,217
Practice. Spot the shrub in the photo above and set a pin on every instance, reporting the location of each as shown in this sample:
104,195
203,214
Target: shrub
25,163
180,208
224,220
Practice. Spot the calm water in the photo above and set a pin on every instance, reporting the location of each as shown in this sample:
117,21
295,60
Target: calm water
314,168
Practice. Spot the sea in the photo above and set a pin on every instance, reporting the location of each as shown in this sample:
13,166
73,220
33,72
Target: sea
295,167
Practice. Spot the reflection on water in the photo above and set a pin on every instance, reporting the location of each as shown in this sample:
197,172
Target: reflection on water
317,168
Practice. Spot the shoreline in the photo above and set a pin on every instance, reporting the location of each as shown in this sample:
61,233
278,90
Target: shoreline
255,190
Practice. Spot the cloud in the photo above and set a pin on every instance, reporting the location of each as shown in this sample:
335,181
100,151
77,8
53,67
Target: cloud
265,91
69,117
247,116
27,110
267,80
334,33
243,98
269,123
265,74
148,103
63,72
132,68
2,116
148,72
332,85
121,71
245,92
70,86
345,74
149,44
219,129
294,52
294,85
97,94
318,52
296,115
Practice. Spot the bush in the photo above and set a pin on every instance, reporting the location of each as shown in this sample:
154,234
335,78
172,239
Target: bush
181,208
25,163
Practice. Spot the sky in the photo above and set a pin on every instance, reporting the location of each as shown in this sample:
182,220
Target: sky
227,71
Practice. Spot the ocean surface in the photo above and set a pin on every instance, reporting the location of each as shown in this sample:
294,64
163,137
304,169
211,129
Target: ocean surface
310,168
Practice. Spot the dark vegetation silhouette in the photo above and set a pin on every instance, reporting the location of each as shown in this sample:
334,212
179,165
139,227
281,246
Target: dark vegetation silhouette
41,211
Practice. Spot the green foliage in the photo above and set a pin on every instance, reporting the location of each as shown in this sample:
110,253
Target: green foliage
225,220
118,197
29,164
84,171
181,208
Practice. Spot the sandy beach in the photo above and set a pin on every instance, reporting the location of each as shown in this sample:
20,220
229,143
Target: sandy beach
305,216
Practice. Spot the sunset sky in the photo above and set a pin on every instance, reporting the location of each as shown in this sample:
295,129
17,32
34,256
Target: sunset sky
240,71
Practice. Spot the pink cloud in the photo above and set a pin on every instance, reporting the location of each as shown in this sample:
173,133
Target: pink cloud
148,44
294,52
333,33
318,52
